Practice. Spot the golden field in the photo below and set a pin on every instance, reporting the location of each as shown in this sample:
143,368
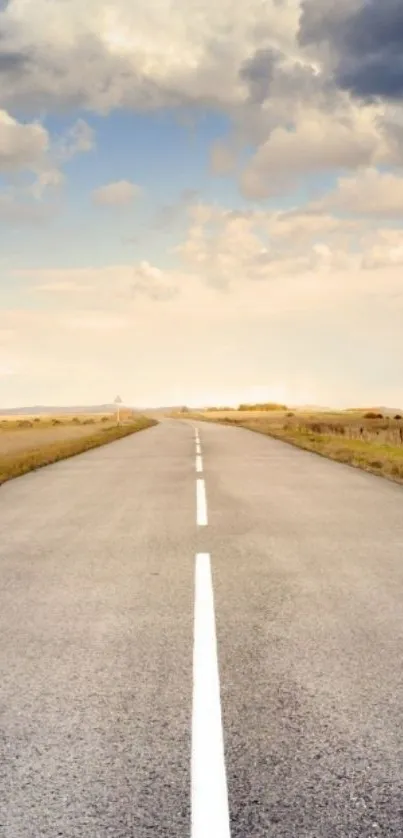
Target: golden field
29,442
359,437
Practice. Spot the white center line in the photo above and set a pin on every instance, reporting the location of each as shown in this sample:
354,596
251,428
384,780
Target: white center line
198,448
210,815
201,502
199,463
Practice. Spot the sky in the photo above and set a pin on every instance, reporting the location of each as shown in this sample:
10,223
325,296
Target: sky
201,202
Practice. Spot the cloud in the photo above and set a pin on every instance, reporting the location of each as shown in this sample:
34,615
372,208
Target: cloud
277,89
364,39
55,55
155,283
311,289
80,138
46,179
228,249
258,73
368,193
322,20
21,145
316,142
383,250
28,148
81,348
308,255
303,94
110,286
120,194
383,257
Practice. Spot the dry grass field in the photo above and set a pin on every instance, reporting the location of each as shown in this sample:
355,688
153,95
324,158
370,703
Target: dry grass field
365,439
29,442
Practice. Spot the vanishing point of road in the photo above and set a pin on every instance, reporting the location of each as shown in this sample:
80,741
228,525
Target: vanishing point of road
201,636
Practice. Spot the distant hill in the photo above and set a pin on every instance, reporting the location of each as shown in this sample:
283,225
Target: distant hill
312,408
40,410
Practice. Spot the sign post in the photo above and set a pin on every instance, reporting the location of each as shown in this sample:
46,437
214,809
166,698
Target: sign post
118,402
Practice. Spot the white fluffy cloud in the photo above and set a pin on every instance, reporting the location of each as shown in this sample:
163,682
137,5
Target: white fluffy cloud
138,55
383,249
247,61
79,139
117,194
26,147
317,141
368,193
21,145
227,249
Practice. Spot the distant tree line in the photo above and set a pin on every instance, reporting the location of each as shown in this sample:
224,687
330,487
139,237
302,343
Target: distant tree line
264,406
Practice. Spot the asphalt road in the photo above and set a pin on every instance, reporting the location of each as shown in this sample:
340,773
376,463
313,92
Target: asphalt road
97,601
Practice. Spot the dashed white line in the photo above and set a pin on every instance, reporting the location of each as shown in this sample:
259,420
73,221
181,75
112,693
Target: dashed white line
199,463
201,503
210,814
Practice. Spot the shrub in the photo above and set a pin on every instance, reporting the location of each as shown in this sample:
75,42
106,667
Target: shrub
397,416
56,422
24,423
372,415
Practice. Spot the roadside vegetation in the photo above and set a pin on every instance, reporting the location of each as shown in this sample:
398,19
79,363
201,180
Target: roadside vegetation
367,439
28,443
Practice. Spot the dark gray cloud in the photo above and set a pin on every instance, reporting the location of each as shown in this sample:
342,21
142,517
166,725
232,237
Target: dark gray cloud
13,61
365,43
258,73
376,76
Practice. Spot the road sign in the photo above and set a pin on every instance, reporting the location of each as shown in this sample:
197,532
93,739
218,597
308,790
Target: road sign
118,401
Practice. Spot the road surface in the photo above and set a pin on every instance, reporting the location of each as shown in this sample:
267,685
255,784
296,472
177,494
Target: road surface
201,636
